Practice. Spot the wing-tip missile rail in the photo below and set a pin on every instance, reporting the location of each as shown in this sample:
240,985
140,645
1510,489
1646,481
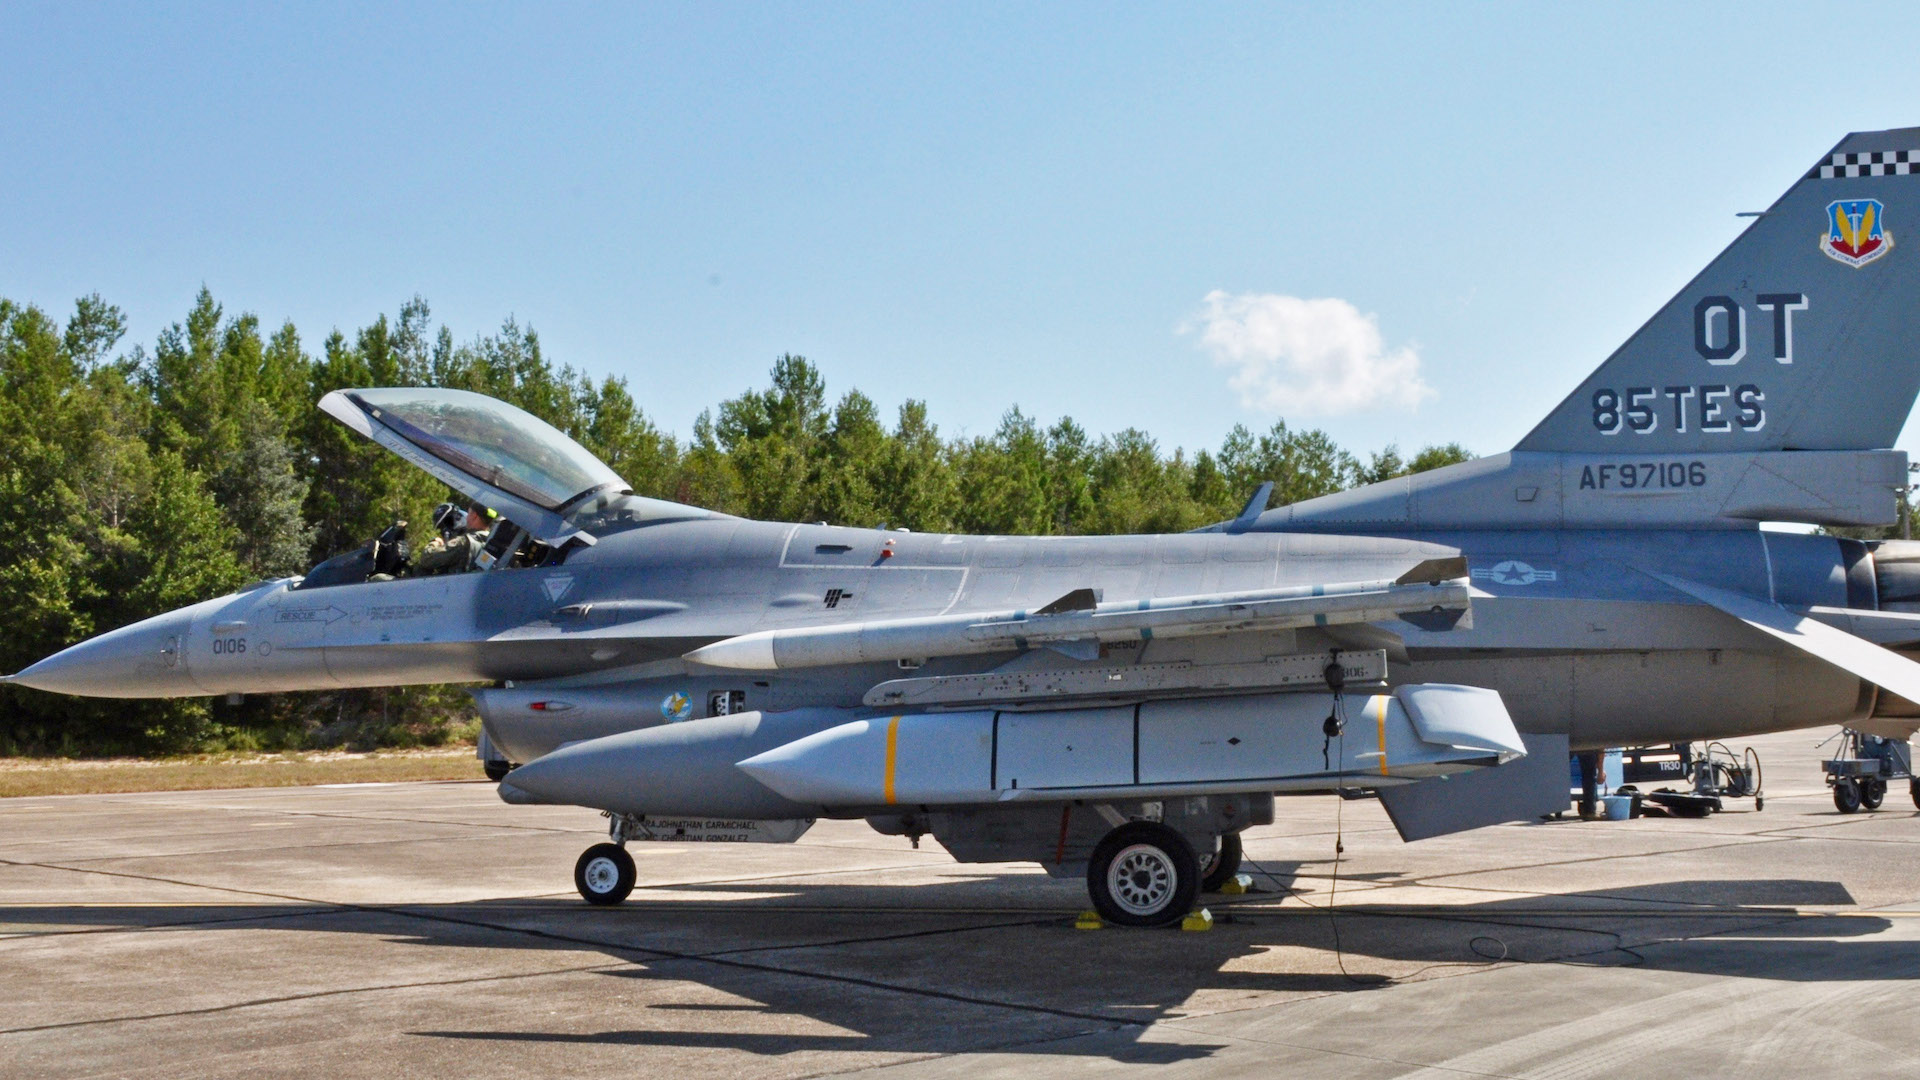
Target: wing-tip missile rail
1078,628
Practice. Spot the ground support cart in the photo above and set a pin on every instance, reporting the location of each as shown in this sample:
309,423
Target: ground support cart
1864,767
1715,774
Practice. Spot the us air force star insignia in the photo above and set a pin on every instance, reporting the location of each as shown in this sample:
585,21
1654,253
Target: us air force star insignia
557,586
1513,572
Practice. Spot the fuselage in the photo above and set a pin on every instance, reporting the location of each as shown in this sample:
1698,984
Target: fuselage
1566,624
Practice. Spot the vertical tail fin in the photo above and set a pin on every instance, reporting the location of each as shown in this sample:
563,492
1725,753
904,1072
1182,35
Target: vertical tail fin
1804,334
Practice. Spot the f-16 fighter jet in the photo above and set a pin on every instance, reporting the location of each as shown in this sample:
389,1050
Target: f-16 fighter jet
1122,707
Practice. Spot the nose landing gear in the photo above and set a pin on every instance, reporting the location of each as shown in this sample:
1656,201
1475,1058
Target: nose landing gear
605,872
604,875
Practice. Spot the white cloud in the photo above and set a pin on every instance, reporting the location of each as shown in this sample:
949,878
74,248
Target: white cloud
1294,356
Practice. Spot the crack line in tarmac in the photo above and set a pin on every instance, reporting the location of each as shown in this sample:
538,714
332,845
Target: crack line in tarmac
657,953
282,999
73,863
1594,859
177,924
720,959
729,958
1348,1054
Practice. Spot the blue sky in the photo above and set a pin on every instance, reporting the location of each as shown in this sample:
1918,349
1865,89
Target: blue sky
971,204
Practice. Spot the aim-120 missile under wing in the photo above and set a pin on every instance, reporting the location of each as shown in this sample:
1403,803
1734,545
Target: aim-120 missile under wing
1605,583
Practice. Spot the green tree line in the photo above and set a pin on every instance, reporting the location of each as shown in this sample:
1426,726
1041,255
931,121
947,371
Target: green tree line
133,481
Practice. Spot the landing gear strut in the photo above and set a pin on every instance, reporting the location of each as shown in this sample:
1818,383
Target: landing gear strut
1143,874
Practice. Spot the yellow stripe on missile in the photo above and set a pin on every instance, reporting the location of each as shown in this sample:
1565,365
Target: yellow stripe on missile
1379,719
893,753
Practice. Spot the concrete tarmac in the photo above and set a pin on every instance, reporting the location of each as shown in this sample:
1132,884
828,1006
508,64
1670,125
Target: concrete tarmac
430,930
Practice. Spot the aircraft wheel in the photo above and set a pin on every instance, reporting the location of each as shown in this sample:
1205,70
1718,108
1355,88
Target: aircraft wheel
604,874
1873,792
1218,869
1143,874
1846,796
497,769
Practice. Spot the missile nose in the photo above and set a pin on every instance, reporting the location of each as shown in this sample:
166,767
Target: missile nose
518,796
549,779
137,661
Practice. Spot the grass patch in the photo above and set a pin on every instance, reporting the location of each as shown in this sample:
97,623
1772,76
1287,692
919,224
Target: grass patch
99,776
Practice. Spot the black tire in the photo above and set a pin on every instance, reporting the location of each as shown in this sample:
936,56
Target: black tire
497,769
1846,796
1873,792
1913,788
1143,874
1222,865
604,875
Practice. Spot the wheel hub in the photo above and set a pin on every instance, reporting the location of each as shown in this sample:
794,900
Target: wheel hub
1141,879
602,875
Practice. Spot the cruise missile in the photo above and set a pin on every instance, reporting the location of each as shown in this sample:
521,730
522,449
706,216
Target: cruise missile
1077,623
806,762
1268,742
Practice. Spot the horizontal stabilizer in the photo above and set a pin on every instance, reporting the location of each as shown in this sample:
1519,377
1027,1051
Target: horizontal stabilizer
1881,667
1897,728
1879,627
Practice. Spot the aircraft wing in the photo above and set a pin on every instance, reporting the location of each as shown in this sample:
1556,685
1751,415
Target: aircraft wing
1433,595
1880,666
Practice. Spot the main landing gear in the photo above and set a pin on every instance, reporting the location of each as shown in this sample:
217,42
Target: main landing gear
1220,868
1143,874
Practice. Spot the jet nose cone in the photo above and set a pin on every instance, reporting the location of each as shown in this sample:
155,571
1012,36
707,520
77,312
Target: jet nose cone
137,661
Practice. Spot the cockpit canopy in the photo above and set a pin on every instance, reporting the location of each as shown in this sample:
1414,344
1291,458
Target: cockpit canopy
503,457
492,441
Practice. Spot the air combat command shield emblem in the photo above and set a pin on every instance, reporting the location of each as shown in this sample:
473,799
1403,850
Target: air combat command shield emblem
1856,232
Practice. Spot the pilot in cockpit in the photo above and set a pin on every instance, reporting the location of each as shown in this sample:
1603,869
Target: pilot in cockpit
463,534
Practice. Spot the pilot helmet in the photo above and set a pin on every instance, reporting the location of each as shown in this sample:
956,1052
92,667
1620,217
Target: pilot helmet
449,518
